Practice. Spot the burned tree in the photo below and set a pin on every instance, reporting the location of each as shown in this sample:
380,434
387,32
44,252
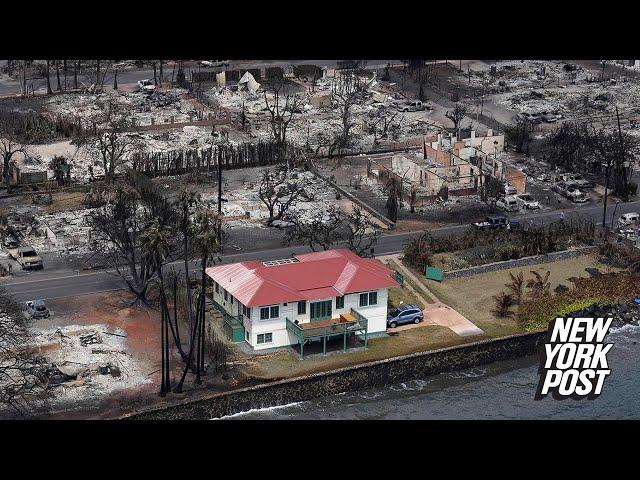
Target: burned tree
117,232
394,191
8,148
108,141
615,152
207,226
156,242
519,135
362,232
457,115
22,383
346,93
278,192
319,231
281,110
332,225
491,189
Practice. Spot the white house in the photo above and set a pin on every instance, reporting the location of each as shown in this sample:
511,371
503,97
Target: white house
312,296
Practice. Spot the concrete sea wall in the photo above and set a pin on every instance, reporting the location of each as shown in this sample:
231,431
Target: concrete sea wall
521,262
373,374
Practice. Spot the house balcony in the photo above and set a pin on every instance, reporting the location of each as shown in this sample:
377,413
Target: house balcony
347,323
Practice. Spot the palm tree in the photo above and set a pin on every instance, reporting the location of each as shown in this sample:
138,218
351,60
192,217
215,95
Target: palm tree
516,286
503,304
155,242
539,285
206,229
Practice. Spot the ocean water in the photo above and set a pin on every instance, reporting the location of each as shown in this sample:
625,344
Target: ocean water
502,390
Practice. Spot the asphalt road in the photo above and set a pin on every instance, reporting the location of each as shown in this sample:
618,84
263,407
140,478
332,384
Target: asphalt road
59,284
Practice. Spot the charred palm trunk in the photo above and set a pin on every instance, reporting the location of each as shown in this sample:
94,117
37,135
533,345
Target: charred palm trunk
58,76
49,91
163,384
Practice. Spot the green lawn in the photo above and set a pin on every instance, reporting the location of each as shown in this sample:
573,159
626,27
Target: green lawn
473,296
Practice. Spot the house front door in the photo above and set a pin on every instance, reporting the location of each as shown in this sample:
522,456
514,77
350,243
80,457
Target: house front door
320,310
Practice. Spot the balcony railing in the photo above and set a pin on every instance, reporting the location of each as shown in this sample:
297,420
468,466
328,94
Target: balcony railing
353,322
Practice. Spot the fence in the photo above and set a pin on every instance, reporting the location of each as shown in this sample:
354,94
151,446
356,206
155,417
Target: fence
175,162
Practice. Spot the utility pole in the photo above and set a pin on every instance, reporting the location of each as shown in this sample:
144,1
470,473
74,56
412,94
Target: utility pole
622,156
608,171
213,133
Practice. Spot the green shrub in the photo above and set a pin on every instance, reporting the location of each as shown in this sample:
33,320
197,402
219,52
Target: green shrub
537,314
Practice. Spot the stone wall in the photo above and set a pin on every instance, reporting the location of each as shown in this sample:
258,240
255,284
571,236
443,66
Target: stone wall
369,375
521,262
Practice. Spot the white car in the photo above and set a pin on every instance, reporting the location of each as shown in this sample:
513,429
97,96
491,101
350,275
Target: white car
628,219
146,85
526,201
508,204
509,190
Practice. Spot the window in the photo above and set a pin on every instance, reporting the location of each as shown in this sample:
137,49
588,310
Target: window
364,299
226,296
231,299
302,307
246,335
217,288
248,314
340,302
367,299
265,338
246,311
269,312
320,310
373,298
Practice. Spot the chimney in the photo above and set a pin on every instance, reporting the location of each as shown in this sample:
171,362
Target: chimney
473,134
489,132
439,138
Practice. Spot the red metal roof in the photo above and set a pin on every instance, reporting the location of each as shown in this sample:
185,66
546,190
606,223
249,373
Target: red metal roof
314,276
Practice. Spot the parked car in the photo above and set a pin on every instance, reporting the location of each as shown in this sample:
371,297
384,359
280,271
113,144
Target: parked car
543,177
526,201
413,106
493,222
549,117
576,180
26,257
404,314
628,219
37,309
509,190
146,85
508,204
571,191
575,194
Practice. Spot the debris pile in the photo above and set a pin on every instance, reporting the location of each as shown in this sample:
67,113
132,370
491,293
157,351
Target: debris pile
156,107
86,361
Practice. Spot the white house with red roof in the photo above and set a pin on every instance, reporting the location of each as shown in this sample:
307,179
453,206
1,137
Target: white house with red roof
311,296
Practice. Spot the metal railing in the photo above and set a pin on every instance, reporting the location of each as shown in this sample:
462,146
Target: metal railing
339,327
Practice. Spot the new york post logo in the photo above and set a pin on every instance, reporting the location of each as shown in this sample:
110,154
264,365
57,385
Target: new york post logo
574,361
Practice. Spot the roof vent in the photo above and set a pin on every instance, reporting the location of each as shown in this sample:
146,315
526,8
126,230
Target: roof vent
284,261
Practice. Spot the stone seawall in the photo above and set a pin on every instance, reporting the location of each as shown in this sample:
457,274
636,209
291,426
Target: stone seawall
368,375
520,262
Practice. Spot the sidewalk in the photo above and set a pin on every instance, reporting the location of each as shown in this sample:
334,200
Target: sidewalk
436,313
